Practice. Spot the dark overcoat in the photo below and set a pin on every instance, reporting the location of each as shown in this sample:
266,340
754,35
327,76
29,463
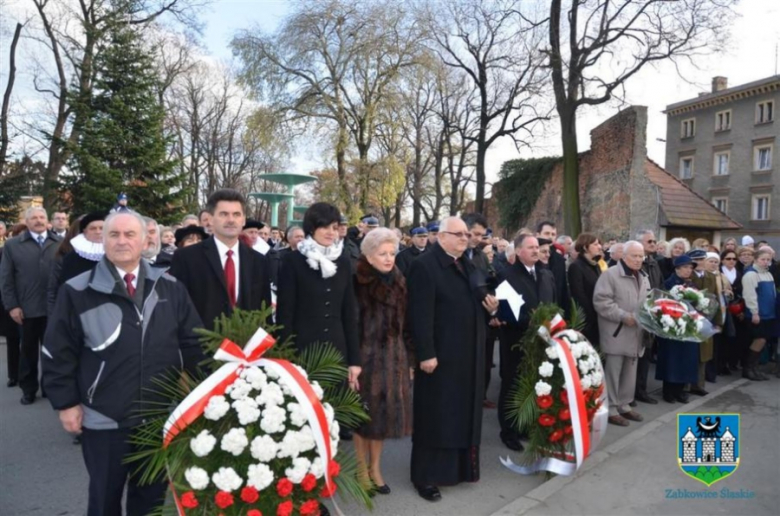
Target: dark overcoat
385,347
407,256
447,322
314,309
678,361
200,269
583,276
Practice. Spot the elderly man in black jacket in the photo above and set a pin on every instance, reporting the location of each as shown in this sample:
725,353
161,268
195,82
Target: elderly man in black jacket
447,310
24,277
114,330
537,285
650,266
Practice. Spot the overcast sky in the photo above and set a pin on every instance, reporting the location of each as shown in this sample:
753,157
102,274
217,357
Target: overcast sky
751,56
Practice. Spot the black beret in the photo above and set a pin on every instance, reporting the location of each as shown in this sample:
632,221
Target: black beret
253,224
186,231
89,218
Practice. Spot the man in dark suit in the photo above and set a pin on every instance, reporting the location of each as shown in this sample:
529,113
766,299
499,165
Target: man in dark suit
557,265
447,324
536,285
219,272
24,276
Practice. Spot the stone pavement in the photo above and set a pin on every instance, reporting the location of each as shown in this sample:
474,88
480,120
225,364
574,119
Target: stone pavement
42,473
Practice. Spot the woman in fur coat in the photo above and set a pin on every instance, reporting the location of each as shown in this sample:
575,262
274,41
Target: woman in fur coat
387,360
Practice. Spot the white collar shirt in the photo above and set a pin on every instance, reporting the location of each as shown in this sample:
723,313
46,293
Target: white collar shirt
134,272
222,249
35,235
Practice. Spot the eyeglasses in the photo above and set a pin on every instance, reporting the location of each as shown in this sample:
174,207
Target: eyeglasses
652,241
457,234
729,259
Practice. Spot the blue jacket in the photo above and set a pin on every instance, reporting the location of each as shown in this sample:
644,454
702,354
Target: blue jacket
758,289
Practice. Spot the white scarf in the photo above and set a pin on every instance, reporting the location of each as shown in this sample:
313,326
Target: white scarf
320,257
731,275
86,249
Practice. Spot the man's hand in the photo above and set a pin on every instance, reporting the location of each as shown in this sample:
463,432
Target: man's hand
756,319
354,372
490,303
17,315
495,323
629,321
429,366
71,419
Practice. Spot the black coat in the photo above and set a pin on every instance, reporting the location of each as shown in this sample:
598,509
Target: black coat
200,269
405,258
351,251
654,273
534,293
447,322
163,260
557,266
314,309
67,267
582,282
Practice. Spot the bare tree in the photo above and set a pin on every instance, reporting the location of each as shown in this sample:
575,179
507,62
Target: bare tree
498,50
7,97
628,34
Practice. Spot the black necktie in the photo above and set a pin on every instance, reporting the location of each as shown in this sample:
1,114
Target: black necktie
532,272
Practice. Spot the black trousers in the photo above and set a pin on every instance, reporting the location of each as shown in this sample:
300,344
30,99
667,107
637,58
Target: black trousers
33,329
509,362
12,349
642,367
490,342
104,454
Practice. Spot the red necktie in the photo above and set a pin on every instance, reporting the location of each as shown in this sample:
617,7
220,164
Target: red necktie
129,282
230,278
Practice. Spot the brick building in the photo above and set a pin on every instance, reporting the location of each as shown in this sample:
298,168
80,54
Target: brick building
722,144
622,190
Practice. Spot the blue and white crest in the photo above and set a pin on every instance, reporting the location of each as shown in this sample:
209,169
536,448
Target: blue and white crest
708,445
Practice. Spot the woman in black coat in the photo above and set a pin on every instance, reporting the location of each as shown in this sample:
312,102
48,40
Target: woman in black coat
583,274
316,297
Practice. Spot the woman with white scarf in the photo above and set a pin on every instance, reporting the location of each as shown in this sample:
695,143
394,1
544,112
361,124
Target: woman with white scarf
316,299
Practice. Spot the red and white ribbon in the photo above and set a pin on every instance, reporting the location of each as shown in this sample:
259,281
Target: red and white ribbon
237,359
585,440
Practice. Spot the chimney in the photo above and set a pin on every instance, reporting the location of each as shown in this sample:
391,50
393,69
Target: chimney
719,83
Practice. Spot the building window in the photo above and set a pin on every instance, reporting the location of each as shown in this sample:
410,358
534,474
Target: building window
761,207
762,157
723,120
686,167
721,164
765,111
722,203
688,128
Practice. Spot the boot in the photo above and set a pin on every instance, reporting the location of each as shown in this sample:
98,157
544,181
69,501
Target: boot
749,367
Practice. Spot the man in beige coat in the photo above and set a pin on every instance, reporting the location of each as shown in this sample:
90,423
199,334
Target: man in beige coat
619,293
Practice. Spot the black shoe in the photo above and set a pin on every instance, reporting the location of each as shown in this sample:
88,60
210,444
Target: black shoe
12,382
750,374
725,371
43,394
385,489
682,398
513,443
77,439
324,510
644,398
632,404
669,399
711,379
430,493
27,400
698,392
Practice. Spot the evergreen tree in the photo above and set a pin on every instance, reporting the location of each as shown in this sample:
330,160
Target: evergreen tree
122,147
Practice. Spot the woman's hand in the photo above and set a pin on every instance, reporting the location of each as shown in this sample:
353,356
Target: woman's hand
756,319
354,372
429,366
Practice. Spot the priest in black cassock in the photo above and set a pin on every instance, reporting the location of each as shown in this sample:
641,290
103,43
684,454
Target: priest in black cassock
448,304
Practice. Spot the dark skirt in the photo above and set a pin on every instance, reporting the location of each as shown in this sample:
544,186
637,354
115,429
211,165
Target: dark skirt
765,329
677,362
444,466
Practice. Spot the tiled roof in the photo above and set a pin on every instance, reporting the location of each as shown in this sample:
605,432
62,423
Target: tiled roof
684,207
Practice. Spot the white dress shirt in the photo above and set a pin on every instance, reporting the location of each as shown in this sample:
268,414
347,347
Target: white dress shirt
36,235
134,272
223,249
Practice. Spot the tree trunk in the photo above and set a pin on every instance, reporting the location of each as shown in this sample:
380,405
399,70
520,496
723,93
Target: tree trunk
572,221
7,98
479,201
341,166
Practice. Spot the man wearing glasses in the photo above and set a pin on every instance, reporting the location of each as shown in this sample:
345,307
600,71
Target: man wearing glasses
650,267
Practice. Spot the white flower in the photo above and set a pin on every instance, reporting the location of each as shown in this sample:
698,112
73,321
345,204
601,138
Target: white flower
256,378
667,321
584,366
247,410
239,389
297,415
316,468
329,413
234,441
334,446
577,350
586,381
271,373
596,378
273,419
270,395
216,408
542,388
302,371
306,439
203,443
317,390
334,431
289,446
299,470
546,369
552,352
259,476
197,478
264,448
226,479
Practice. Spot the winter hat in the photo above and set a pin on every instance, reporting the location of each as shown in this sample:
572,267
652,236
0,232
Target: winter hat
418,231
748,240
89,218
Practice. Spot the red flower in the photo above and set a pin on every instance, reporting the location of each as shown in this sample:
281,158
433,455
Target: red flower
556,436
253,512
284,508
188,500
327,493
564,415
568,430
544,402
249,494
564,397
310,508
284,487
223,499
309,482
334,468
546,420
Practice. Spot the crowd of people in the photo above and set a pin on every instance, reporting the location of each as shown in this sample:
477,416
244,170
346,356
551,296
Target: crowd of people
112,300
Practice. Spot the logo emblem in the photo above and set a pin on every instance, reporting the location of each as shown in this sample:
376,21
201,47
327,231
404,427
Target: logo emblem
708,445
